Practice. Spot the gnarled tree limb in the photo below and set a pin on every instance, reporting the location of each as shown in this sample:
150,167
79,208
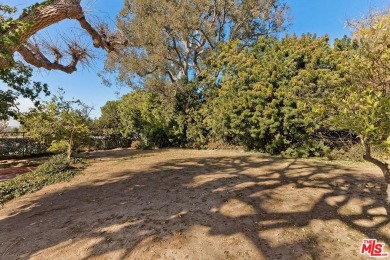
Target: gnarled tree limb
33,55
49,13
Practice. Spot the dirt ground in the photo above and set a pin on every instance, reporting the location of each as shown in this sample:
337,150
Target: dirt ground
12,167
188,204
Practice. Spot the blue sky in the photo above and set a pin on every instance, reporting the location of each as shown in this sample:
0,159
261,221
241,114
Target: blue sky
329,16
314,16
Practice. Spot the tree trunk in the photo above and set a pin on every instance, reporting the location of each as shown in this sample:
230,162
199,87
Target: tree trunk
70,148
383,166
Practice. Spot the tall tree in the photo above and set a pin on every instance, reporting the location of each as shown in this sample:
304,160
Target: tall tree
167,40
109,121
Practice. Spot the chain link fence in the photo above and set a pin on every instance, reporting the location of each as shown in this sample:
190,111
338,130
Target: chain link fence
17,144
107,142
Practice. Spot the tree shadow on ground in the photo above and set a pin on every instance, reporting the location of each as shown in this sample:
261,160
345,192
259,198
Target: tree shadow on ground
285,209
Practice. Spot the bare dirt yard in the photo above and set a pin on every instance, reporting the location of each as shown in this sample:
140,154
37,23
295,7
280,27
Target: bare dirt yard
188,204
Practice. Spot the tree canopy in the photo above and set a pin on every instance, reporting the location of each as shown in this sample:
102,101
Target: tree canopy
61,124
362,105
168,40
18,80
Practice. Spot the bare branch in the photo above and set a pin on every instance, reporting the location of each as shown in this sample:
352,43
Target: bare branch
51,13
104,38
33,55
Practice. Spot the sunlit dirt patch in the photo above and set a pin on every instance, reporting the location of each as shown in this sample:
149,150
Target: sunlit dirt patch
187,204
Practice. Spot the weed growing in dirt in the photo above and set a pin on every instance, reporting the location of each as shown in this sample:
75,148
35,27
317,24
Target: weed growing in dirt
58,168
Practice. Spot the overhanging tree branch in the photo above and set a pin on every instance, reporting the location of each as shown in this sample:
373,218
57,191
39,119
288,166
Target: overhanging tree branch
39,17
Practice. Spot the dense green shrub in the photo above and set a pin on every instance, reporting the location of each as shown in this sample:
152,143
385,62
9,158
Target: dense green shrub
56,169
261,97
56,164
145,119
256,96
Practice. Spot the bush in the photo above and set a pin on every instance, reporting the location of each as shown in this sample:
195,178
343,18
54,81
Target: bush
308,148
352,153
56,169
258,99
56,164
355,153
142,145
220,145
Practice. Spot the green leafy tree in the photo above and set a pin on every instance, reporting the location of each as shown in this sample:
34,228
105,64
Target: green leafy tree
362,104
62,124
168,40
144,118
18,84
109,121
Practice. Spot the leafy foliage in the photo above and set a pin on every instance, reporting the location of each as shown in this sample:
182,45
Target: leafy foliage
56,164
144,118
18,81
63,124
109,121
11,29
17,75
56,169
168,40
263,97
365,104
9,38
273,95
255,94
362,104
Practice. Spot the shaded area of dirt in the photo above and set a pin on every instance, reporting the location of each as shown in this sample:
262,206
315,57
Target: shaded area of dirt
10,168
184,204
9,173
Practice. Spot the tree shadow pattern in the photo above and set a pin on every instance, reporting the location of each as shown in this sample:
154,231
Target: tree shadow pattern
286,209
